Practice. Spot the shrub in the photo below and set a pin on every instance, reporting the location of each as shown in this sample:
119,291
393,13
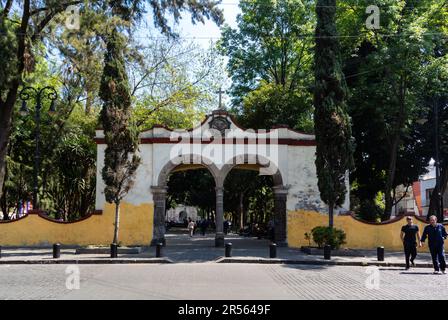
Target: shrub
328,236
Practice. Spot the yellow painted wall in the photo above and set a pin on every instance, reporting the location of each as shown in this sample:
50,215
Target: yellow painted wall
359,235
136,227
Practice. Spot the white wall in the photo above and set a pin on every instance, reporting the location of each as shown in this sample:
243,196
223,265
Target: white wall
303,192
140,192
296,165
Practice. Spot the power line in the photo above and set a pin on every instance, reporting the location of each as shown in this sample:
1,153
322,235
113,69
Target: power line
268,36
341,6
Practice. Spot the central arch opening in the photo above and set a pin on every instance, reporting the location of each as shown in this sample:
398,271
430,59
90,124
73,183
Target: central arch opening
190,202
249,202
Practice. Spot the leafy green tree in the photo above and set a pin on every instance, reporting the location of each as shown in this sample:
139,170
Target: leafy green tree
70,186
389,72
82,50
332,123
25,28
271,105
248,197
270,55
54,130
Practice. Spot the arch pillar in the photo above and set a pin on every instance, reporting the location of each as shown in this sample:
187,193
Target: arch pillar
159,198
219,217
280,197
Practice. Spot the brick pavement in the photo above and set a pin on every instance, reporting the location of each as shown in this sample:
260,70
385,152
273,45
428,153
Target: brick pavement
218,281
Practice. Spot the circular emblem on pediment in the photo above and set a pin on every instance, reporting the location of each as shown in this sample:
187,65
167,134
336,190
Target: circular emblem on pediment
221,124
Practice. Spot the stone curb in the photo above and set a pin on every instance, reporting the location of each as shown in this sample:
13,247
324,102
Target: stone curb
320,262
89,261
107,250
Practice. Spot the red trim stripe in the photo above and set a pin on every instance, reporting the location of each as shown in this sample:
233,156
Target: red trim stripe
282,141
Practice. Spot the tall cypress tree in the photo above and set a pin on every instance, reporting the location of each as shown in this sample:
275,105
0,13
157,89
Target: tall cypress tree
332,123
120,161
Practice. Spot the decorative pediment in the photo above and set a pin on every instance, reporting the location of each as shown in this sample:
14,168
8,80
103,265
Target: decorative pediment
223,122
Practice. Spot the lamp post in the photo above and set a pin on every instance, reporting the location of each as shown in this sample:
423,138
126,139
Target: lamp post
38,94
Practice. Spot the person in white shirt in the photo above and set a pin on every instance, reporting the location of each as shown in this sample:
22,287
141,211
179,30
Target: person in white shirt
191,227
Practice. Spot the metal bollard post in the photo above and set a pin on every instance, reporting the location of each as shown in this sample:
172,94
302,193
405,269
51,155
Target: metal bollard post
228,251
380,253
56,251
113,250
327,252
159,250
0,251
273,250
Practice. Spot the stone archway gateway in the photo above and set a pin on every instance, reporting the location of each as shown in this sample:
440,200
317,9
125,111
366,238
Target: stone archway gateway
219,144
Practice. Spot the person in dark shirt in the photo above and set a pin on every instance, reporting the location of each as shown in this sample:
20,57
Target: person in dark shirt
409,236
436,234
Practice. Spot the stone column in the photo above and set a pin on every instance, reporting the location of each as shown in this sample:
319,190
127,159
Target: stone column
219,237
159,198
280,196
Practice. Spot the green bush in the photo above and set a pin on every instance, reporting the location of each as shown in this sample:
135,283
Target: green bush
328,236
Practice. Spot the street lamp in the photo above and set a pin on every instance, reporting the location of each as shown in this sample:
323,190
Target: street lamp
39,94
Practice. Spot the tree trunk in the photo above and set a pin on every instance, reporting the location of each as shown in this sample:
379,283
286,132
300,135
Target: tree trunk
330,215
89,102
390,179
4,207
394,148
117,222
434,202
241,211
7,106
6,110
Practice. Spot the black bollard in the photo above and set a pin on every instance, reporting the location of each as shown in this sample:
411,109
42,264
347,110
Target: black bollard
327,252
113,250
159,247
0,251
380,253
56,251
228,250
273,250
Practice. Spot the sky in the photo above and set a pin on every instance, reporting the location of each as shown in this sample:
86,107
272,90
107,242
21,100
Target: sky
203,33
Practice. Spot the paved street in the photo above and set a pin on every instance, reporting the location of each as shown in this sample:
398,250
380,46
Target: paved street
218,281
196,275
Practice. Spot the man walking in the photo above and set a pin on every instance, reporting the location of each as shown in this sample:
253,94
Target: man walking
436,234
409,236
